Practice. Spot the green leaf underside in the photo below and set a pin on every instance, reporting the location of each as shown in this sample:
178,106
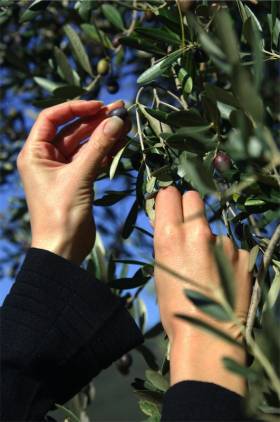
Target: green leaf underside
159,68
116,161
157,380
149,409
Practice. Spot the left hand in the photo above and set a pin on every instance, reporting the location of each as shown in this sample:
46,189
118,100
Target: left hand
58,172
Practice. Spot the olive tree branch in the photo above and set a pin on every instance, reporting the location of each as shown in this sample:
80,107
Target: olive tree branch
256,295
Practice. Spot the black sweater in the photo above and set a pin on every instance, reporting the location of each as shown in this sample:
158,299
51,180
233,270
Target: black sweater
60,327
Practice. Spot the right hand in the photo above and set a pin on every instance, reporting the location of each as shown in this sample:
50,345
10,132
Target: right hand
184,243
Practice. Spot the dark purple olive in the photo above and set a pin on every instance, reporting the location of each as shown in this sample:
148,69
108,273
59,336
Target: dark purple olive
124,363
149,15
200,56
222,162
155,161
112,86
119,112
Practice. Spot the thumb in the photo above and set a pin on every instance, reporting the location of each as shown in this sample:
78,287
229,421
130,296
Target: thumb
102,140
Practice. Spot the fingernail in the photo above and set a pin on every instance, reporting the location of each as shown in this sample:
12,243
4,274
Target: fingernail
117,101
113,126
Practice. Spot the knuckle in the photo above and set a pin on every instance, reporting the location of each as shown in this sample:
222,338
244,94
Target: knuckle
166,236
201,232
44,114
99,147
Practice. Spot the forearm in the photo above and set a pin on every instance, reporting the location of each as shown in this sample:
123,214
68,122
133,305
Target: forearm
199,357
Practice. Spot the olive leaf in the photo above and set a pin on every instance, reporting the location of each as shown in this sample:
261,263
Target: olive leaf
115,162
47,84
64,66
207,305
159,68
113,15
78,48
209,328
157,380
112,197
130,220
226,273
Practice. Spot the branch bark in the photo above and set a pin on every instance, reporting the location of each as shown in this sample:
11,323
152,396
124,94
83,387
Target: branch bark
256,295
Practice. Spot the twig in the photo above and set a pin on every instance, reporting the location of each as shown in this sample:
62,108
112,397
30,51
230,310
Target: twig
141,139
90,86
179,88
169,106
256,295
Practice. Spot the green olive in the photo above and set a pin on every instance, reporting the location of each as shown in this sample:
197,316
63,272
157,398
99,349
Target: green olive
103,67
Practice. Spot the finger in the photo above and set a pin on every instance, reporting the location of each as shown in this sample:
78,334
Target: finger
113,151
69,138
51,118
99,145
168,208
193,209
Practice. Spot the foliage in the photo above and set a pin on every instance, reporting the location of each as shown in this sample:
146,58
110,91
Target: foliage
207,83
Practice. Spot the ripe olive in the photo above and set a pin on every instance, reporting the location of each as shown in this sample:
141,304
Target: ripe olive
149,15
200,56
155,161
124,363
119,112
112,86
103,67
222,162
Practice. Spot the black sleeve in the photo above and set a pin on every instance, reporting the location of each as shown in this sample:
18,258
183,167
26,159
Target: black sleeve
59,328
202,401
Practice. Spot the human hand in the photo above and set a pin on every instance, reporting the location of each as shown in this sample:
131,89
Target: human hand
184,244
58,171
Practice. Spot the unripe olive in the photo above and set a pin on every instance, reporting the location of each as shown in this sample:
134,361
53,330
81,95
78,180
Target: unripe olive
112,86
103,67
200,56
222,162
124,363
119,112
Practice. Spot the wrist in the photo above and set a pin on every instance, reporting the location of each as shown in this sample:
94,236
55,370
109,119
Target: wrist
58,246
199,357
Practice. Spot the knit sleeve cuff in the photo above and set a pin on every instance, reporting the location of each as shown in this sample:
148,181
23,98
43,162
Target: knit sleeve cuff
202,401
69,324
